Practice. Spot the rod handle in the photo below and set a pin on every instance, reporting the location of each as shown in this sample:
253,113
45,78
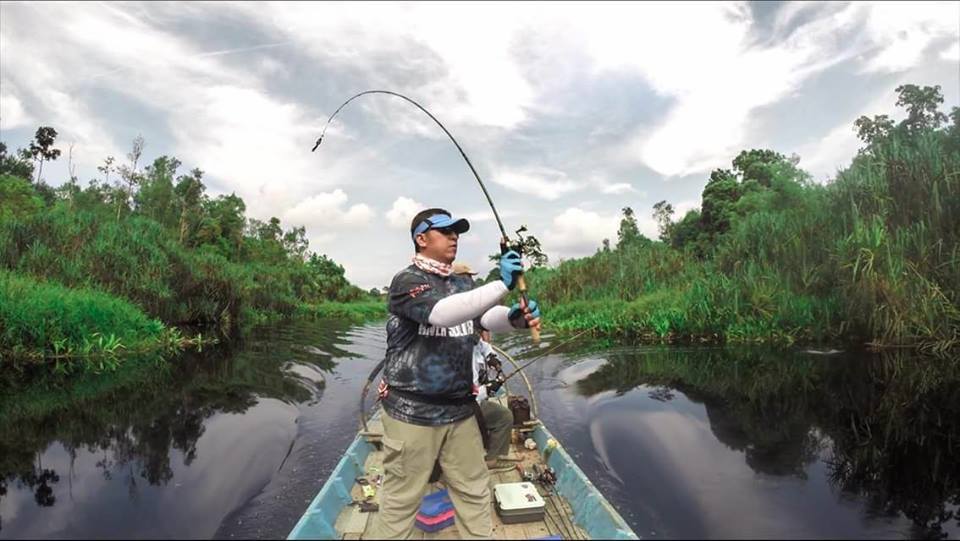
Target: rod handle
522,286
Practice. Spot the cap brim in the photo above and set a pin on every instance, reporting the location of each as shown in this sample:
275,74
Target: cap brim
460,225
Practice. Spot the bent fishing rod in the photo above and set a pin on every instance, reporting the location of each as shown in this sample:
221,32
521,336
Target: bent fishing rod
505,240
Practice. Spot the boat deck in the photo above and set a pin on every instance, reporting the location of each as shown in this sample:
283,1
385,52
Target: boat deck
558,516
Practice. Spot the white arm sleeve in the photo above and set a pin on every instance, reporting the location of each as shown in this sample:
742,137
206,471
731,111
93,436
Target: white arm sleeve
496,320
462,307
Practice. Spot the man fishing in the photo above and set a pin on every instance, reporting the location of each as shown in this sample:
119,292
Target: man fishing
426,390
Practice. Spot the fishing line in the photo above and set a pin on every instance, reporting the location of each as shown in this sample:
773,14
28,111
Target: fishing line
486,194
505,240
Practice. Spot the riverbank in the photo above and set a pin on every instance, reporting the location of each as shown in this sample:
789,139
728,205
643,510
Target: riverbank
868,259
50,327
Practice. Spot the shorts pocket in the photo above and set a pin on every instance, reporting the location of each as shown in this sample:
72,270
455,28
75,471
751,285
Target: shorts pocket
393,456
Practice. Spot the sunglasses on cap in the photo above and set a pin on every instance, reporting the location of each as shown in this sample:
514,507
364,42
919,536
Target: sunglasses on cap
442,223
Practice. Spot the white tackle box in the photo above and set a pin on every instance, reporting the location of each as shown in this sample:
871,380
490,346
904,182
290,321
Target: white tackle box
518,502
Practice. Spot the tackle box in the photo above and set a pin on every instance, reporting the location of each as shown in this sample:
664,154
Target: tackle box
518,502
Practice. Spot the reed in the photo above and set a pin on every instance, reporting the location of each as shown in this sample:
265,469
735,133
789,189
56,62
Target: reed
871,258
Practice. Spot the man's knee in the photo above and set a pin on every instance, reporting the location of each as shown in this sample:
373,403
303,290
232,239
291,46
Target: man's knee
497,415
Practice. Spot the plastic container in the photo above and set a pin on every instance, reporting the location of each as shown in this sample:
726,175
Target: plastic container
434,504
518,502
435,524
436,512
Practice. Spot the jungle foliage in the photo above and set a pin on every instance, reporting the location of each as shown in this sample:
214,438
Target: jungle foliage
151,241
870,257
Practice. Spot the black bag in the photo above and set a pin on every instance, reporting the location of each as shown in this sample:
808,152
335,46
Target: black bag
520,408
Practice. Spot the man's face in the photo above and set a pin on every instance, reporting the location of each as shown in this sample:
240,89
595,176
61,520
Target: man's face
439,244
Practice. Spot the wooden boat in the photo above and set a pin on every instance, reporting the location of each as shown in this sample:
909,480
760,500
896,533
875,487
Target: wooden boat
575,509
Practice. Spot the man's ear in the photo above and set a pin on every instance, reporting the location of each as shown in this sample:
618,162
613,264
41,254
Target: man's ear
421,240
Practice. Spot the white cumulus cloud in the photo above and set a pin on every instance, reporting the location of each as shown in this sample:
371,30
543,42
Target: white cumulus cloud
328,211
12,114
577,233
402,211
542,182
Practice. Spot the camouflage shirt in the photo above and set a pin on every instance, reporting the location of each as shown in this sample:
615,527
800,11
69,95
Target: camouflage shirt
424,358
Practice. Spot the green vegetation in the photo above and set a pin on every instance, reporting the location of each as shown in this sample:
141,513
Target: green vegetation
872,257
351,311
130,259
49,321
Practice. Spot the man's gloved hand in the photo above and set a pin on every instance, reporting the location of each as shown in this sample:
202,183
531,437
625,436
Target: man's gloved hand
522,319
511,267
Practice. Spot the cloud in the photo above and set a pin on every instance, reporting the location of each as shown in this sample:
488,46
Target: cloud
719,86
12,114
577,233
443,61
402,211
542,182
618,188
326,211
952,52
683,207
901,32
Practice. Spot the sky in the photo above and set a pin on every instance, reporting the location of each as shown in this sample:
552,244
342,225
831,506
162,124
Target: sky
569,111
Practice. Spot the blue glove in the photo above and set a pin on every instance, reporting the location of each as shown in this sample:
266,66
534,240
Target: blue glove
510,268
516,315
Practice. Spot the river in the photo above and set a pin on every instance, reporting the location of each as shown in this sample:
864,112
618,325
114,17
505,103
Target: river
684,442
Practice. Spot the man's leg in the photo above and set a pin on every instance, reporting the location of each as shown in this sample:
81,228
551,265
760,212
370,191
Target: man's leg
500,422
409,452
461,458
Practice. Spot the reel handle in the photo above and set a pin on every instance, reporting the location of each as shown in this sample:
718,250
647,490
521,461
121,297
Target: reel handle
522,287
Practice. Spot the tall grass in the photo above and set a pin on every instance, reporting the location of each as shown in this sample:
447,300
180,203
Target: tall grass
138,260
871,258
73,328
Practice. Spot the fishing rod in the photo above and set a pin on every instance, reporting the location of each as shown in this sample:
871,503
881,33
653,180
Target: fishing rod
505,243
537,357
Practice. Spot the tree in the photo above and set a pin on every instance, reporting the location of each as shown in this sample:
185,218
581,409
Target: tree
719,196
758,165
922,107
687,231
129,174
17,165
295,242
222,224
106,168
18,198
156,198
629,231
953,131
189,191
328,276
662,212
41,148
873,130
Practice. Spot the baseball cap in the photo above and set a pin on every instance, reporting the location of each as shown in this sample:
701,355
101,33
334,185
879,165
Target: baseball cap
441,221
462,268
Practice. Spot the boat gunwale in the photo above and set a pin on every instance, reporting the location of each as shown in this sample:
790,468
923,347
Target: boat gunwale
316,521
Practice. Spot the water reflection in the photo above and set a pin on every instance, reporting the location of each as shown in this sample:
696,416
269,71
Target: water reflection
684,442
884,429
143,435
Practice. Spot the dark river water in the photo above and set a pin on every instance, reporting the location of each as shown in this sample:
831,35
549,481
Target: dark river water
684,442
